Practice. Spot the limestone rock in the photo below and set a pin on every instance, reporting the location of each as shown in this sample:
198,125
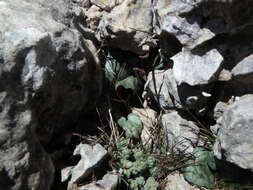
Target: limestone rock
244,67
176,181
45,73
219,109
176,6
66,173
129,26
185,96
225,75
182,135
196,70
109,182
91,157
94,15
171,95
148,118
234,141
189,35
155,88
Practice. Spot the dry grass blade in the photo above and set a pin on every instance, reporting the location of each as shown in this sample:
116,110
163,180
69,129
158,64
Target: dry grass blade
114,131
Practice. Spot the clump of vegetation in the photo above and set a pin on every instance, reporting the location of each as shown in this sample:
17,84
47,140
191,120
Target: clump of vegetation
132,125
200,170
142,166
138,163
138,166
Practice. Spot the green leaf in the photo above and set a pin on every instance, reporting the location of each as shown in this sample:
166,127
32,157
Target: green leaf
151,184
113,69
128,83
211,160
198,172
137,183
132,125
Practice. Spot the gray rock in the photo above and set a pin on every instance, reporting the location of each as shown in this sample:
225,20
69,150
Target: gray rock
45,75
244,67
109,182
148,118
94,14
189,35
66,173
218,112
176,181
23,162
215,128
175,6
234,141
196,70
156,88
91,157
219,109
182,135
129,26
225,75
171,85
170,95
185,96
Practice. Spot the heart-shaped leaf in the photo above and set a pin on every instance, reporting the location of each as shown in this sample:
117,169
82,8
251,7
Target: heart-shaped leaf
128,83
113,70
198,172
132,125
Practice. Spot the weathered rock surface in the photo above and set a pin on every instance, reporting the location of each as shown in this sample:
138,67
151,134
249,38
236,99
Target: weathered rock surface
176,181
148,118
45,75
175,7
196,70
91,157
49,74
244,67
170,95
234,141
182,134
156,88
219,110
109,182
189,35
129,26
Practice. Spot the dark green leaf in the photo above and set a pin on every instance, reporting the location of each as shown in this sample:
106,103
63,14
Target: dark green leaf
198,172
128,83
113,69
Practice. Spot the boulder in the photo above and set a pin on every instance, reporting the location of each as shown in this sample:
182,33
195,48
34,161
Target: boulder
45,81
219,109
189,35
176,181
196,70
244,67
128,26
182,135
109,182
156,88
188,84
170,95
91,158
240,82
167,7
234,141
148,118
